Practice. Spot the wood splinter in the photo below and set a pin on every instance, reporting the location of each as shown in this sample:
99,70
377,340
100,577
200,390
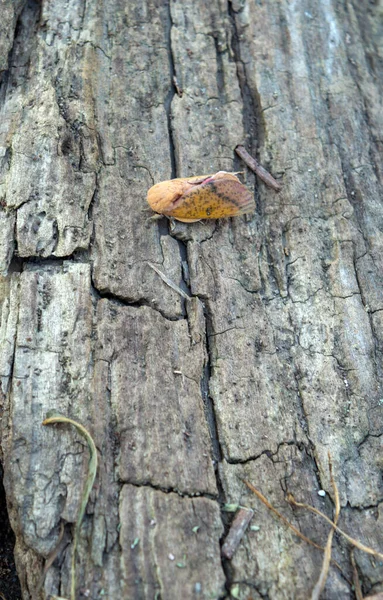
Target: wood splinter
236,533
179,89
254,165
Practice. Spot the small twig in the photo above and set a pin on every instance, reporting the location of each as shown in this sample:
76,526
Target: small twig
51,418
318,589
236,532
286,522
355,577
350,540
254,165
169,282
281,517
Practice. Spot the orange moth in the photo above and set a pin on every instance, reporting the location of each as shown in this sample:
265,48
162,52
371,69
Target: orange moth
205,197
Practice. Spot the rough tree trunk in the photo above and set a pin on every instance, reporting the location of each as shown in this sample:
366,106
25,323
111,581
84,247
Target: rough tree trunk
276,360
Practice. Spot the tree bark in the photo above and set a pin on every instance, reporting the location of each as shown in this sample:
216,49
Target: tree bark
275,361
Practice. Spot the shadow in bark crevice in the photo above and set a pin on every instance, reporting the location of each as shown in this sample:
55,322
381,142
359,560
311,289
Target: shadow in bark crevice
9,582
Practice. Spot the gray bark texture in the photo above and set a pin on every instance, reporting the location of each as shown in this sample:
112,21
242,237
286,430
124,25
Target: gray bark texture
276,360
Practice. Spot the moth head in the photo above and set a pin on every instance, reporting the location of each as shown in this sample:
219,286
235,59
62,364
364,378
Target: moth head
163,196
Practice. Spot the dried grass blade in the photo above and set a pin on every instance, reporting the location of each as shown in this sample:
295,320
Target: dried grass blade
351,540
52,418
169,282
318,589
290,525
281,517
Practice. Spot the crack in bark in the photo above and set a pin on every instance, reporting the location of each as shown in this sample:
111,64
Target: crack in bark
205,391
171,93
95,47
167,490
302,416
29,6
353,69
252,120
369,316
214,436
269,453
122,301
206,375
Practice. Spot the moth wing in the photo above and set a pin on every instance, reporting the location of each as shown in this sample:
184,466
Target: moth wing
164,196
223,197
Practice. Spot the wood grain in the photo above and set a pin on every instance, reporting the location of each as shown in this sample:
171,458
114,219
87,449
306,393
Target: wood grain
277,358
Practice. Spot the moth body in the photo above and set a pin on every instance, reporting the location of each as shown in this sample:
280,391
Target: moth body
203,197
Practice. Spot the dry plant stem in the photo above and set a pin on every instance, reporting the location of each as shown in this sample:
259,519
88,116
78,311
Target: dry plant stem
254,165
351,540
50,560
169,282
51,419
236,532
280,516
355,577
292,501
318,589
290,525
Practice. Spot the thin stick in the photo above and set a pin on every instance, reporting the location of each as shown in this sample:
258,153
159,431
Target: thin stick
52,418
281,517
286,522
254,165
351,540
318,589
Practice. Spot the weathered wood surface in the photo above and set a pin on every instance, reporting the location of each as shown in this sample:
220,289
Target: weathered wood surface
275,362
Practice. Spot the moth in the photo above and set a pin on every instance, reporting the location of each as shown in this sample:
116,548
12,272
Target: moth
191,199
